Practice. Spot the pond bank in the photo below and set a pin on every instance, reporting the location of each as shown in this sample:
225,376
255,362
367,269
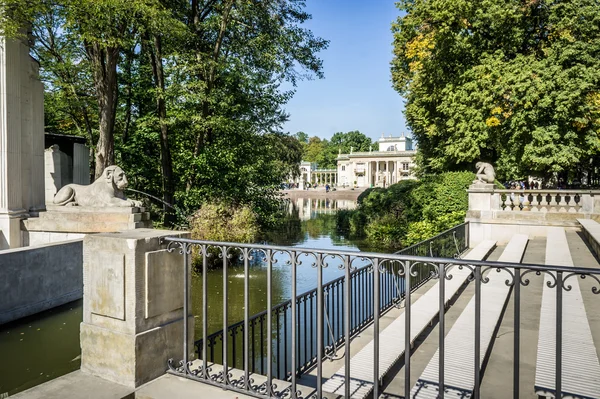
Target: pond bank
343,193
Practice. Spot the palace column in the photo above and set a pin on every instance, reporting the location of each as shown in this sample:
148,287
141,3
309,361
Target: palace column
21,140
377,172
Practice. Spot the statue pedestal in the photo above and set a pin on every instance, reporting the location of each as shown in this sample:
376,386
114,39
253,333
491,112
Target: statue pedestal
61,223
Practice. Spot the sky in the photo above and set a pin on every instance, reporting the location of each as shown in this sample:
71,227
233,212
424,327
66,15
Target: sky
356,93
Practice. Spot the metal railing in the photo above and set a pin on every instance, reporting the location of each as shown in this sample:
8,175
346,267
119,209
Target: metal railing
447,244
246,381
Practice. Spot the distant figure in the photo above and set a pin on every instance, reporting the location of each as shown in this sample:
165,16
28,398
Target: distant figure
485,173
327,188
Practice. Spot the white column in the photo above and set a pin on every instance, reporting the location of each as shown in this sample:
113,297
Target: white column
377,172
11,206
21,140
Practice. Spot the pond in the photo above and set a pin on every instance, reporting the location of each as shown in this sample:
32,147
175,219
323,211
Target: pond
46,345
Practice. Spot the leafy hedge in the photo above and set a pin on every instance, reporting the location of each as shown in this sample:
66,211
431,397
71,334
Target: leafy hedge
408,212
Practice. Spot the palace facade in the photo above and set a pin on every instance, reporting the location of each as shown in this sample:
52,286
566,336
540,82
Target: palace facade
393,162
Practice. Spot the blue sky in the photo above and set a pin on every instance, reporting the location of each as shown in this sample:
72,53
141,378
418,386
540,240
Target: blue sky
356,93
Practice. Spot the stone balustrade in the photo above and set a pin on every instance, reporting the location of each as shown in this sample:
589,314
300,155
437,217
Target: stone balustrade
561,201
497,214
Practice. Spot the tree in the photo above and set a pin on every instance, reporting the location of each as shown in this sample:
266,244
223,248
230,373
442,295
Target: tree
351,140
186,95
512,82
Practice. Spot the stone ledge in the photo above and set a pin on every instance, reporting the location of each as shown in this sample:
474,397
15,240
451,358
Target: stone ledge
95,209
83,220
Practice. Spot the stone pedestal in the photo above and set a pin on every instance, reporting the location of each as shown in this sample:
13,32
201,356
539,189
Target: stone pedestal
61,223
132,306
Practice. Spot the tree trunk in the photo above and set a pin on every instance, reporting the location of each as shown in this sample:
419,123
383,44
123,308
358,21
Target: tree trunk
165,152
105,62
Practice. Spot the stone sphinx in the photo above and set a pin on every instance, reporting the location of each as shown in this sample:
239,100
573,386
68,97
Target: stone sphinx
106,191
485,173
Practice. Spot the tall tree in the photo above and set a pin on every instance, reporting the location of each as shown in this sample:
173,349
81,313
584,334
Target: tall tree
513,82
185,94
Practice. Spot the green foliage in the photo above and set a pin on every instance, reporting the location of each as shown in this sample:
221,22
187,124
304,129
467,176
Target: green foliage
223,222
512,82
325,152
409,211
198,90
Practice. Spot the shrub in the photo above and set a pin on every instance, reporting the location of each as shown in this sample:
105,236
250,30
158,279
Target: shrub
222,222
409,211
386,232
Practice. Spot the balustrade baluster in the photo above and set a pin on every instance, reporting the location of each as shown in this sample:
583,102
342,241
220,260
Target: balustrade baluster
508,204
562,205
535,202
552,204
525,201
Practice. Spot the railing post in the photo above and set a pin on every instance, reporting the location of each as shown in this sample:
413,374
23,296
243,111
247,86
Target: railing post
441,326
246,319
407,308
347,302
376,328
295,324
558,347
477,337
225,308
319,263
517,333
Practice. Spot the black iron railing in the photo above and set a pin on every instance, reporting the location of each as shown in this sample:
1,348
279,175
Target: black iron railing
447,244
561,299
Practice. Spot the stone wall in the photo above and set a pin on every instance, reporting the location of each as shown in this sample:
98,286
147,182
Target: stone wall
35,279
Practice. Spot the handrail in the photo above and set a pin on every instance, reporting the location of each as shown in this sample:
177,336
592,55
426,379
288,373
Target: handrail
362,296
359,276
546,191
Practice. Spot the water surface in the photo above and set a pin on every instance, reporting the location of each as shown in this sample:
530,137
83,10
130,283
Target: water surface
46,345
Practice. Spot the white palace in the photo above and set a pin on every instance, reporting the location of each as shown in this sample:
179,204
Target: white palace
392,163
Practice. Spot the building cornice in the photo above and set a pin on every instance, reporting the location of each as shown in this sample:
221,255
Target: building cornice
377,154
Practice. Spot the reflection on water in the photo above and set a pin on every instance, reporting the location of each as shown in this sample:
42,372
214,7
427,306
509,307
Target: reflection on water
46,345
310,224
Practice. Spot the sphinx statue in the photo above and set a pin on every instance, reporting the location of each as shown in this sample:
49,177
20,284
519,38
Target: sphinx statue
106,191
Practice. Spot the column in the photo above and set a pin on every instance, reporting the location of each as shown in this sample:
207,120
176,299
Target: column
11,206
377,172
133,317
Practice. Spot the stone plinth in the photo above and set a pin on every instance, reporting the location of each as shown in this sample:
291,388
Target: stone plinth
132,306
79,219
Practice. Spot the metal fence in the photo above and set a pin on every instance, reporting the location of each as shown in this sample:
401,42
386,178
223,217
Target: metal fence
447,244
